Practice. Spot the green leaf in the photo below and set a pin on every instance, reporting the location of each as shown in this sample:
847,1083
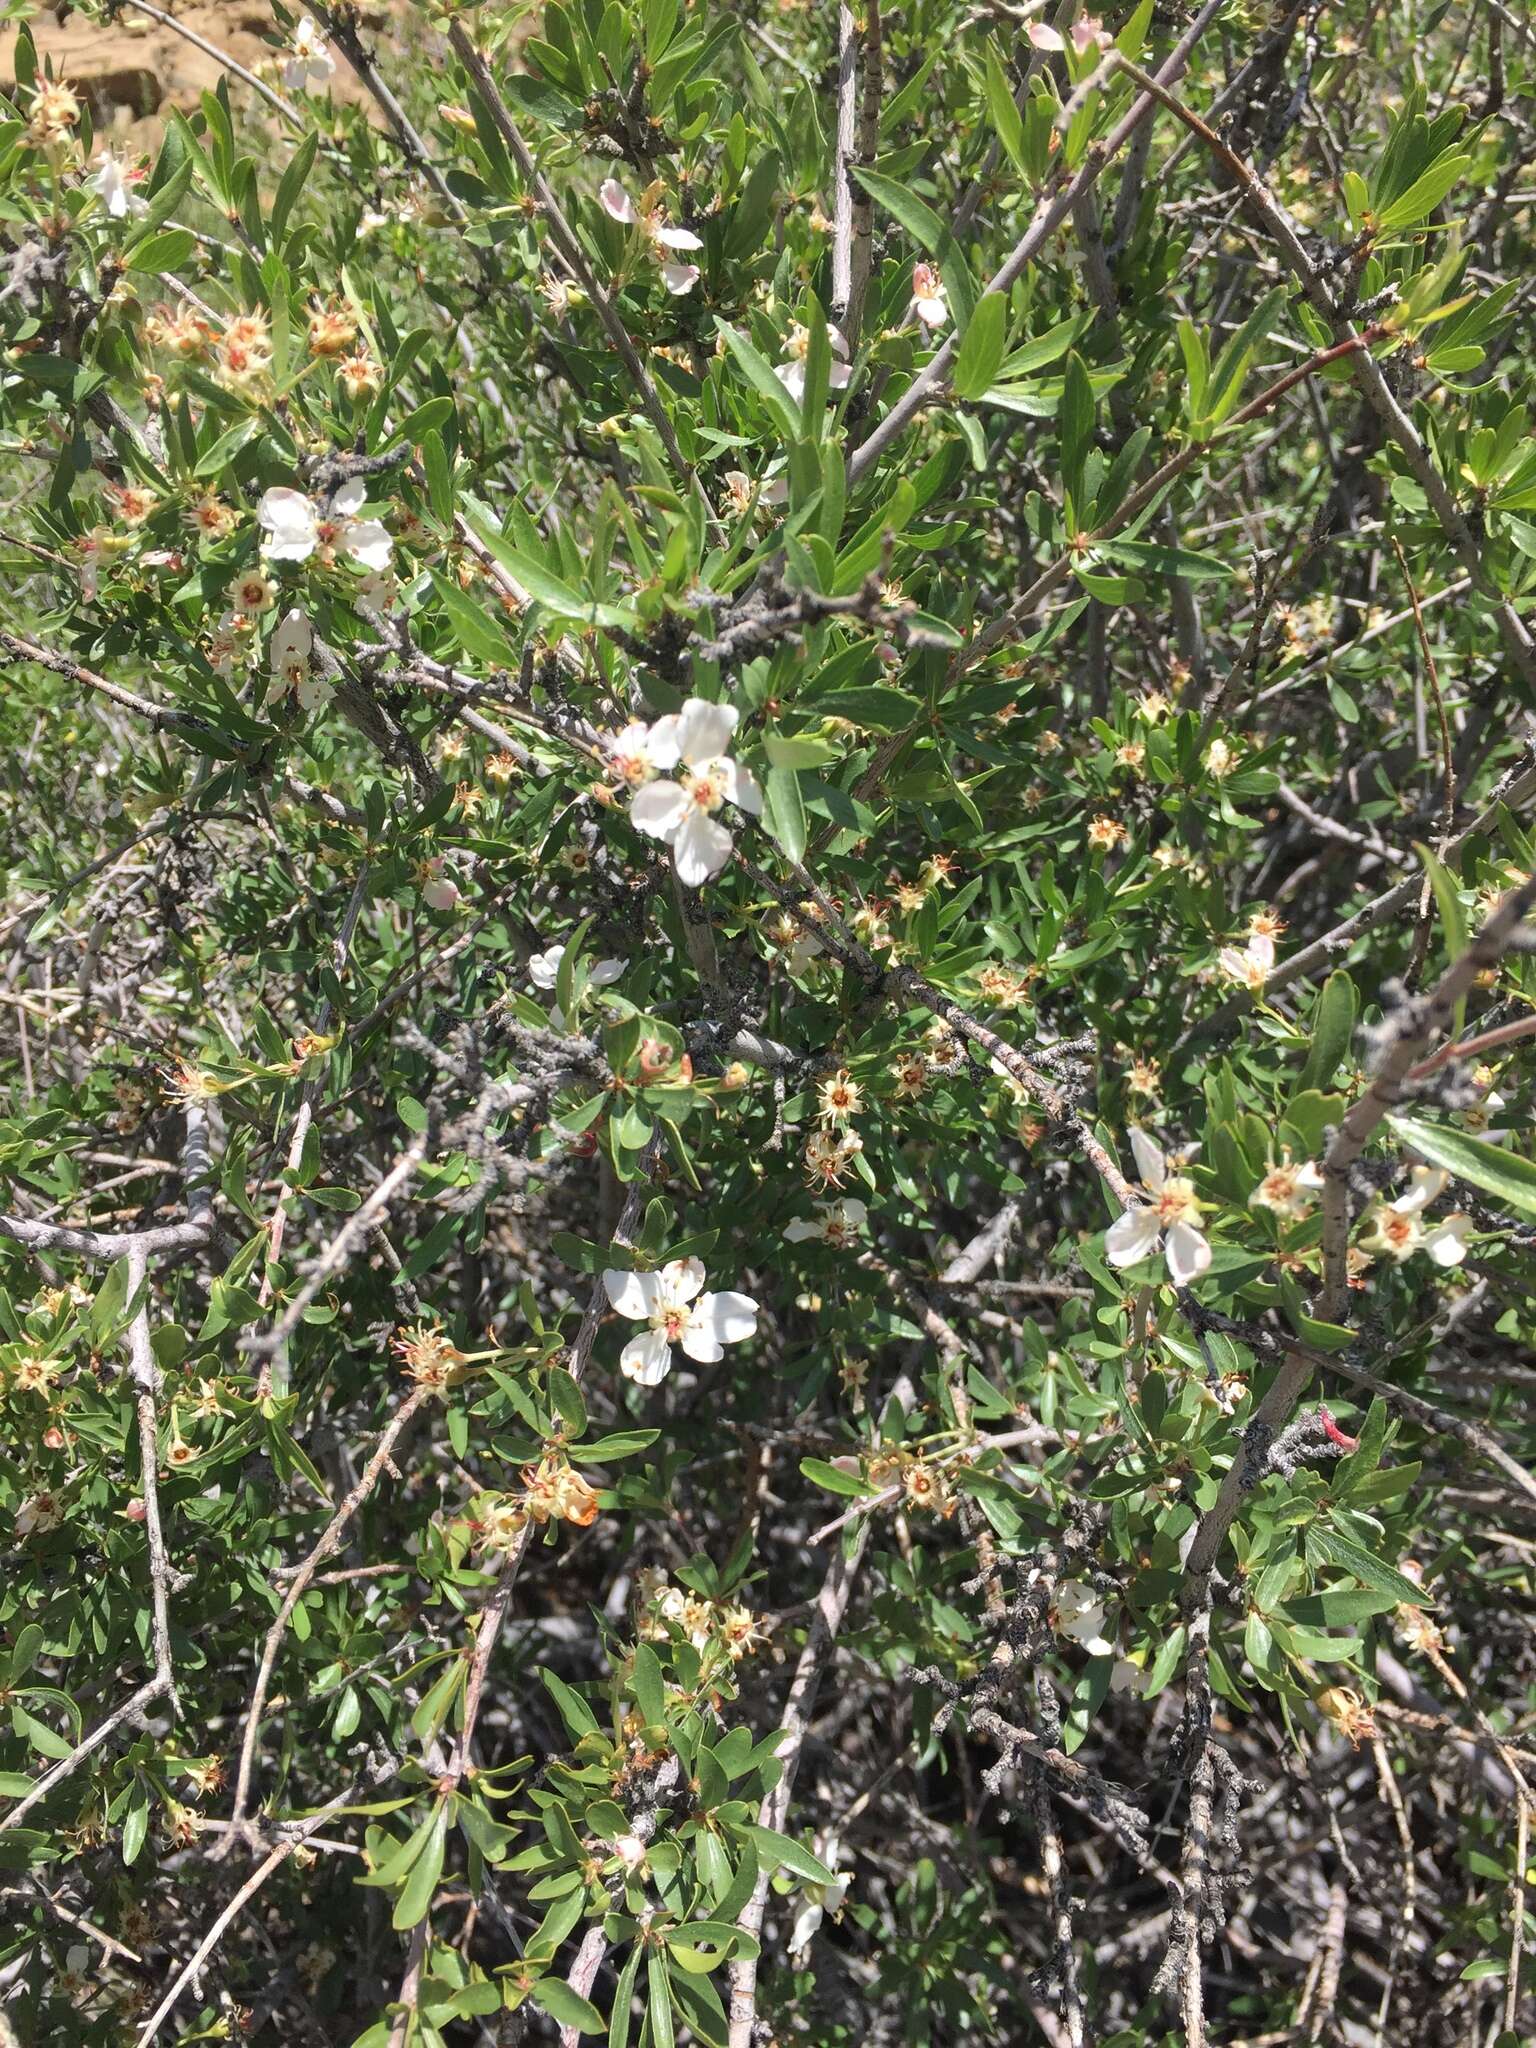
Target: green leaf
873,706
930,233
776,1851
1333,1030
541,582
648,1686
165,251
1350,1556
848,1484
759,373
416,1896
784,811
981,351
660,2006
1426,191
567,2008
1504,1174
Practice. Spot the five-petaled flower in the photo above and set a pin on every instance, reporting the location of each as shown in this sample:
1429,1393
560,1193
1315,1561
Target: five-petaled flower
836,1224
1171,1219
310,64
676,1312
791,372
296,526
1288,1190
1397,1228
680,808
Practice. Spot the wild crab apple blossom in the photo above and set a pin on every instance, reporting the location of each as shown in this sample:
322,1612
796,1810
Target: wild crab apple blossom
670,1303
295,526
837,1224
681,808
1396,1229
1169,1221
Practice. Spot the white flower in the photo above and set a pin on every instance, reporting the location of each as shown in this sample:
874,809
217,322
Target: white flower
677,1313
1078,1613
296,528
680,810
1397,1228
1173,1215
630,1851
791,372
837,1224
819,1899
114,186
1287,1190
928,299
544,969
1125,1676
1251,964
292,646
310,64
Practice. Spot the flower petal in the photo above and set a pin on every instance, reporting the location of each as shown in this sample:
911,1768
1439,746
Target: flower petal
646,1359
704,730
366,541
1150,1163
700,1341
731,1317
347,502
679,278
632,1294
803,1228
658,743
681,1279
1133,1237
544,968
616,202
678,238
701,849
742,788
659,809
1189,1253
1447,1242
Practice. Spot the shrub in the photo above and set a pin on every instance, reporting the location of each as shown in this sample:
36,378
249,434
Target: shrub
768,819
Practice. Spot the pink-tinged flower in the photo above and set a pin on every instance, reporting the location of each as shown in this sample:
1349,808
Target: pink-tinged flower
791,372
1043,36
1170,1220
928,299
664,242
680,809
617,203
1089,33
676,1312
439,891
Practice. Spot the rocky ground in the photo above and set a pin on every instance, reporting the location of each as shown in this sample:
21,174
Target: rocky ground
134,68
